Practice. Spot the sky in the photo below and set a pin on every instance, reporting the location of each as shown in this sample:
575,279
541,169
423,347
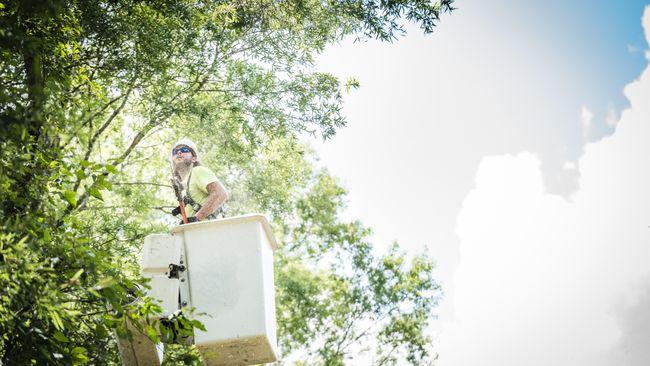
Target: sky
510,144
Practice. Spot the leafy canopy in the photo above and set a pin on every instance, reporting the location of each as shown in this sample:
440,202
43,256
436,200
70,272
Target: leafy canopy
93,91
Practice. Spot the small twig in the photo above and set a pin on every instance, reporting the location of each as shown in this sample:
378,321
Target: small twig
103,109
387,356
94,313
140,183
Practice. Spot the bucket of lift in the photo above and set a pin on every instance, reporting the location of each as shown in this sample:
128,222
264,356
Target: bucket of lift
224,270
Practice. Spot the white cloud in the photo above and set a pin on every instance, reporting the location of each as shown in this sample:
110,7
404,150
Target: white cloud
546,281
634,318
569,165
488,81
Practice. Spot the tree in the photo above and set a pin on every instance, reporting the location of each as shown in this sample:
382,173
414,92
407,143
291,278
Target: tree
91,89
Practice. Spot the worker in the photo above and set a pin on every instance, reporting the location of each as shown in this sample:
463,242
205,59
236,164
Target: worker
204,194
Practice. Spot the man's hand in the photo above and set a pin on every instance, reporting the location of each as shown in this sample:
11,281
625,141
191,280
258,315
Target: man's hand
217,195
190,220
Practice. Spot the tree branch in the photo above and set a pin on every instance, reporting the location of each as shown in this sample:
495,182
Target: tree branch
93,139
365,331
161,208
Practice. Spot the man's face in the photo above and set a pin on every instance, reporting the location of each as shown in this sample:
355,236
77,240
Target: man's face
182,156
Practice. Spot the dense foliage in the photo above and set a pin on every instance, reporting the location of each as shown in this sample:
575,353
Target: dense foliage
92,94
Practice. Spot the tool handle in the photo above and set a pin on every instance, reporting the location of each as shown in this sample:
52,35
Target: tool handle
181,204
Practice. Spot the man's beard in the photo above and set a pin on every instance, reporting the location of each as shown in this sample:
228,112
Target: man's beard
182,166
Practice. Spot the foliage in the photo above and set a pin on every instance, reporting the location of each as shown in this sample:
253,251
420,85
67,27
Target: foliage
91,90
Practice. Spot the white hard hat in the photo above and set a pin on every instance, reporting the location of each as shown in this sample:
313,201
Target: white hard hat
187,142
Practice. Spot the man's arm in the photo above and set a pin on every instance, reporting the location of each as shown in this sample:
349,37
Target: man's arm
217,195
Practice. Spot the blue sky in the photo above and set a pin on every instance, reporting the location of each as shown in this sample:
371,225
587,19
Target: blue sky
601,43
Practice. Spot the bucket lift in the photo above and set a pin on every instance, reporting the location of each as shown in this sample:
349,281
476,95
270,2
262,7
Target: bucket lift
224,269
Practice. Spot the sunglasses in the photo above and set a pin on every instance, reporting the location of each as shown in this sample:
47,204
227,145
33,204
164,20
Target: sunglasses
181,149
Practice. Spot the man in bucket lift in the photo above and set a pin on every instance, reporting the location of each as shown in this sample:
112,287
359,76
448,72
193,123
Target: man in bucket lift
204,194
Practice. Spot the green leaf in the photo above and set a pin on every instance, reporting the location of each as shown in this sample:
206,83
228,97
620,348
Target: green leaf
102,182
152,334
104,283
101,331
197,324
71,197
166,334
80,174
56,319
111,169
79,356
96,193
61,337
76,276
352,83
